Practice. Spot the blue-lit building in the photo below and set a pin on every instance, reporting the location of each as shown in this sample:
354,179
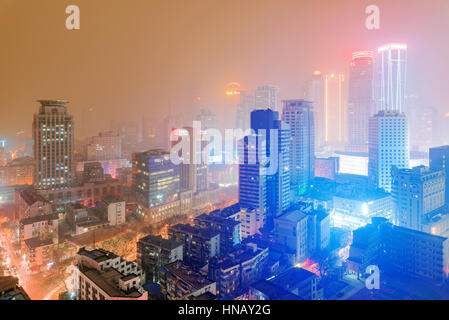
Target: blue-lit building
388,147
416,193
439,160
155,183
265,184
299,115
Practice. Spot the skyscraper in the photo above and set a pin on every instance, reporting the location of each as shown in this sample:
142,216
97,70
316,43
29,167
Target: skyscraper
267,97
439,160
155,183
53,146
389,77
259,187
360,100
416,192
388,147
193,176
246,105
334,102
299,115
315,94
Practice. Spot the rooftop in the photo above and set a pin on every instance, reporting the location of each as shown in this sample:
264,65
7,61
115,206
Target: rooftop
108,281
30,196
292,276
273,291
158,241
292,216
36,243
35,219
184,272
98,255
187,228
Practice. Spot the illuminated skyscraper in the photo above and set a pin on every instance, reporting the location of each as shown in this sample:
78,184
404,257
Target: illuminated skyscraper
360,100
53,146
267,97
259,187
315,94
299,115
390,77
388,147
334,102
155,183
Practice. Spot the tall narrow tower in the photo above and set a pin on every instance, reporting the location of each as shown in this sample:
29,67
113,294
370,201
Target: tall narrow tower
299,115
390,77
360,100
53,146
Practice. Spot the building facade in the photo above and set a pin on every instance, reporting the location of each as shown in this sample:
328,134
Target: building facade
298,114
388,147
416,193
53,134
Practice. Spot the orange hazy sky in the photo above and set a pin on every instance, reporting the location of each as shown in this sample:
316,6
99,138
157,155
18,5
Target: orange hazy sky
144,57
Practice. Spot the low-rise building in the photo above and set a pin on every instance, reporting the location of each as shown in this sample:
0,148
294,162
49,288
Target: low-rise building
398,250
229,229
235,271
181,282
28,204
267,290
38,253
10,289
153,252
300,282
115,208
354,208
42,227
102,275
17,172
199,244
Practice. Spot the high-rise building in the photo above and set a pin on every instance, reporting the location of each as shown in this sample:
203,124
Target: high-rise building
267,97
105,146
208,119
389,77
334,102
439,157
424,124
315,93
53,146
416,193
259,187
388,147
244,109
360,100
194,174
155,181
299,115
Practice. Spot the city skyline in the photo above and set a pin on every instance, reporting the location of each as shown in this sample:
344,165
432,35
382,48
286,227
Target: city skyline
152,88
224,151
